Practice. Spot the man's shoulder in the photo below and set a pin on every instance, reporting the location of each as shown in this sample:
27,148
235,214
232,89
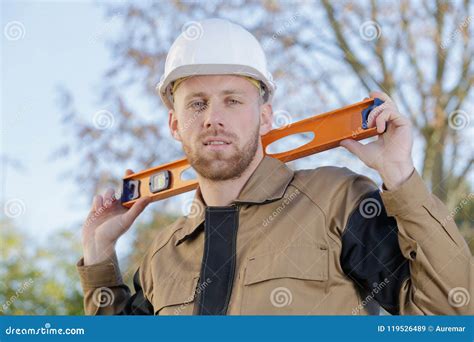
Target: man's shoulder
324,175
327,183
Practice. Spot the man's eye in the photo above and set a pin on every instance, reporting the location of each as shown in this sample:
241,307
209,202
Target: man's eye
233,101
198,105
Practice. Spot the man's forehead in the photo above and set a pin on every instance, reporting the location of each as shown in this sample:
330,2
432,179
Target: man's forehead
203,93
225,85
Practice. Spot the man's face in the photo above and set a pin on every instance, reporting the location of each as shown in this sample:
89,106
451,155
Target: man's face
219,120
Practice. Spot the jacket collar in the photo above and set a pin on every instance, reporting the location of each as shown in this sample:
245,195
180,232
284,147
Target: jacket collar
266,184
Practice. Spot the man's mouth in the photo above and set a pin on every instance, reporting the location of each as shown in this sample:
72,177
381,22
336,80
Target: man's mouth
216,142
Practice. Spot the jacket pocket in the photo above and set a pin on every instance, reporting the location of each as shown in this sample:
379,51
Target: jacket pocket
292,281
175,296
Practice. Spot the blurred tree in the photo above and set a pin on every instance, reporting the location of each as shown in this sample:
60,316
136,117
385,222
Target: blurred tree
422,55
35,279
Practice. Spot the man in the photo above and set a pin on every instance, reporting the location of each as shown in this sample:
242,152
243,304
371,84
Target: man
265,239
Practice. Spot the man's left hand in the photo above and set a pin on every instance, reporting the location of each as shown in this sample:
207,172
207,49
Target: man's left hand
390,154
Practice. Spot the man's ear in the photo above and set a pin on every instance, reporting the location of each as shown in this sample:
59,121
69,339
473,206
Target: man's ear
173,124
266,118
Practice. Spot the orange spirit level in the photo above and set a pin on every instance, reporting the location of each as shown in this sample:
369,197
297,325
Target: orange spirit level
329,129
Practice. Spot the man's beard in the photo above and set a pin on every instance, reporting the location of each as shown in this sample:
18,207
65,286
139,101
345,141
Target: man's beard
216,166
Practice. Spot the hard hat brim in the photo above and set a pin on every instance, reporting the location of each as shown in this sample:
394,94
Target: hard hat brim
164,88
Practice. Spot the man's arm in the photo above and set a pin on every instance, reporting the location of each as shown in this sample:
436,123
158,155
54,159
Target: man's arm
413,248
441,264
440,261
104,290
106,294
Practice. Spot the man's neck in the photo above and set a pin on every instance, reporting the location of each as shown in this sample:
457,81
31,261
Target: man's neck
222,193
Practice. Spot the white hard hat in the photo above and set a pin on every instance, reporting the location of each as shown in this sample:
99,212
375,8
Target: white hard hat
214,47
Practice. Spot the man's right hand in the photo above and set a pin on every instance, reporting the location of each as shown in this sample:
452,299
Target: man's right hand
106,222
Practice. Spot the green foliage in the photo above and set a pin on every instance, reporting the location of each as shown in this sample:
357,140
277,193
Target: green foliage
41,278
37,279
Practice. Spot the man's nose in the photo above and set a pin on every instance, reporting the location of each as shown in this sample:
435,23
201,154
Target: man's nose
214,116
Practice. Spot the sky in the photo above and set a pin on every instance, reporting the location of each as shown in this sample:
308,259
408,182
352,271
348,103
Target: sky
45,45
